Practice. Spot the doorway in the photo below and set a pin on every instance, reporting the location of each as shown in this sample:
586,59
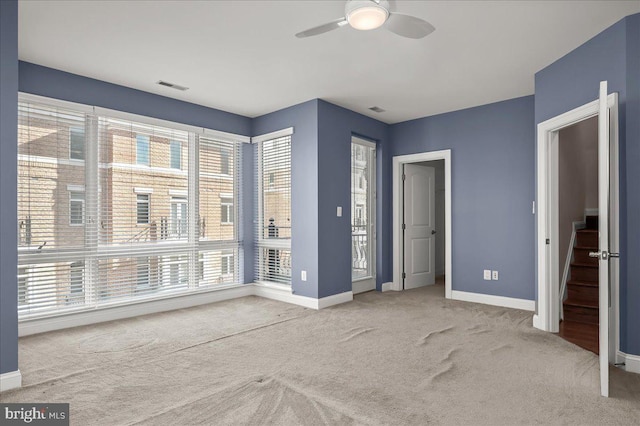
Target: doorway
422,247
363,218
547,317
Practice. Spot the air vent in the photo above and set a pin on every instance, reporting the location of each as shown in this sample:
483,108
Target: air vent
376,109
173,86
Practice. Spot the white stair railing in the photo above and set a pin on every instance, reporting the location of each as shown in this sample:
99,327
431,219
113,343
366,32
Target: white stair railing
567,264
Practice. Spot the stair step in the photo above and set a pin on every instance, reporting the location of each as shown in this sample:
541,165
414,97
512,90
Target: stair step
581,255
584,295
583,283
584,273
587,237
592,222
582,334
580,312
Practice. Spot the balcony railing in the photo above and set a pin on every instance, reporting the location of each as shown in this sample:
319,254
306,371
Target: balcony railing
359,252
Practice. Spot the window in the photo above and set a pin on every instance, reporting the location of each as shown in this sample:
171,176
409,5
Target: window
76,143
143,273
175,148
142,150
127,250
76,208
142,209
362,209
76,283
227,264
273,259
179,218
224,161
226,211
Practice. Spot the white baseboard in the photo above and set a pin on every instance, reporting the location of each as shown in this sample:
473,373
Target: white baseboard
387,286
283,294
487,299
335,299
631,362
362,286
76,319
10,380
537,323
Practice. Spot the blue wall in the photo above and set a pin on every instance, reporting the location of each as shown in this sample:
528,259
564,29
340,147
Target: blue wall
304,188
8,185
43,81
572,81
492,180
336,125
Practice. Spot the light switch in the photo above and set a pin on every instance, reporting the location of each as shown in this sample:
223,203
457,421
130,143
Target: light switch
303,275
339,211
487,274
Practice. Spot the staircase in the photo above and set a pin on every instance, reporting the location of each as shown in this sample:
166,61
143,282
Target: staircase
580,324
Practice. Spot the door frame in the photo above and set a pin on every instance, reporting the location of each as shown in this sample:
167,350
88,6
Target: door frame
547,317
398,213
362,285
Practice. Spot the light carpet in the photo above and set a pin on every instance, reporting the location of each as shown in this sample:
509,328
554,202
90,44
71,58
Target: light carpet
386,358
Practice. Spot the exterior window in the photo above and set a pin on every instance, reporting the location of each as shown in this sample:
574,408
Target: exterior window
226,213
76,283
176,154
273,257
179,217
224,161
142,209
22,286
142,150
142,274
76,208
227,264
76,143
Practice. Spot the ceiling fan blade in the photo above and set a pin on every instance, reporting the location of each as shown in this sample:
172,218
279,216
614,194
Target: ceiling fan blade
408,26
323,28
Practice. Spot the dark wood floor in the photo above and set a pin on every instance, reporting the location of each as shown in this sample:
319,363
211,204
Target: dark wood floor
579,333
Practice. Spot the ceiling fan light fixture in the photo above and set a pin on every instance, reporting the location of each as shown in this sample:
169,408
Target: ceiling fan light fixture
366,15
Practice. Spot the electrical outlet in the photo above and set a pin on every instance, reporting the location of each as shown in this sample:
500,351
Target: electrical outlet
494,275
487,274
303,275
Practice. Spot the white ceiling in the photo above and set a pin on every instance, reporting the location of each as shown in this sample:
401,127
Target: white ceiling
242,56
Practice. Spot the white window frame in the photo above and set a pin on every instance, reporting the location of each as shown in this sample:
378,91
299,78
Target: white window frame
37,320
148,142
71,131
280,244
228,208
172,145
139,203
82,208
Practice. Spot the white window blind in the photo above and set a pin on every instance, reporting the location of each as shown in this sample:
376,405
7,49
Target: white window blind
273,254
112,210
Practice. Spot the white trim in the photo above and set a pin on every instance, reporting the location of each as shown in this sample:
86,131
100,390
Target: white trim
590,212
75,188
273,135
546,189
226,195
398,161
178,192
363,285
41,325
110,113
567,263
335,299
10,380
387,286
58,103
488,299
361,141
139,190
279,292
631,362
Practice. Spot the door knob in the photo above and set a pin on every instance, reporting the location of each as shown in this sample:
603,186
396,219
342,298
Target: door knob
433,231
604,255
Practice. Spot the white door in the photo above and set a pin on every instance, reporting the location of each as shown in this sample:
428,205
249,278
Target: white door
419,226
603,243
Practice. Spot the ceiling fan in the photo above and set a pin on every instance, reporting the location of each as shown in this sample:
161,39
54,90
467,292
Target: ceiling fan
372,14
